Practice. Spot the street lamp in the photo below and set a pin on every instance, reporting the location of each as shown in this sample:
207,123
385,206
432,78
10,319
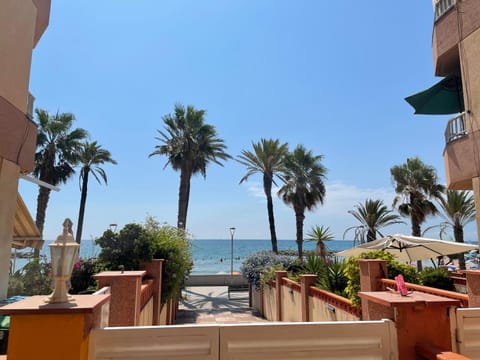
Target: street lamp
232,232
113,227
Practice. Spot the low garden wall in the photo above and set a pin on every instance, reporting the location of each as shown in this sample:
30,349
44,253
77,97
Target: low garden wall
290,301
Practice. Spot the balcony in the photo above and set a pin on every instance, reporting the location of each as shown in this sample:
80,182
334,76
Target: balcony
442,6
456,128
460,156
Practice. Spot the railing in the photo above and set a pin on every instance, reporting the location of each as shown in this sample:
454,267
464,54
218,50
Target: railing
456,128
291,284
146,292
442,6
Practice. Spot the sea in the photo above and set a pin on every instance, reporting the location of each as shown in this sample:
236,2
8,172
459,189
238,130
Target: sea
212,256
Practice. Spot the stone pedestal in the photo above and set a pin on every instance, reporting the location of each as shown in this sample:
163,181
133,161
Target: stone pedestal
54,331
473,288
419,318
125,289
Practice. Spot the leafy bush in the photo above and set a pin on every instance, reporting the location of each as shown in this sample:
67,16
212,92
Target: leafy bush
437,278
82,276
173,245
126,248
35,278
263,262
394,268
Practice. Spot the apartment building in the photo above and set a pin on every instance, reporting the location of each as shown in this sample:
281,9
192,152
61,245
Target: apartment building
22,23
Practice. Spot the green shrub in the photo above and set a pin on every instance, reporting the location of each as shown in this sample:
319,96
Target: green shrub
35,278
394,268
82,276
173,245
136,243
437,278
126,248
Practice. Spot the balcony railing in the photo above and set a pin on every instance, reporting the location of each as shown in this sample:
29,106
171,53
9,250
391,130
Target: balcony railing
455,128
442,6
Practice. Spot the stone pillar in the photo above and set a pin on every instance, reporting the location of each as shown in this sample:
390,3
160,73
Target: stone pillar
154,271
371,270
125,289
306,282
8,203
473,288
278,290
54,331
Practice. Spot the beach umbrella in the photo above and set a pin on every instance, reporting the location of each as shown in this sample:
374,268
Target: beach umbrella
410,248
445,97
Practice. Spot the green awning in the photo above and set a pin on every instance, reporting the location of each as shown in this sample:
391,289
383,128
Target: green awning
445,97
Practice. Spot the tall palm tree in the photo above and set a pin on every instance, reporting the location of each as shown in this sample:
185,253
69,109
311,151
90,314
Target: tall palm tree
303,186
266,159
319,234
91,156
372,216
458,210
416,184
190,145
56,156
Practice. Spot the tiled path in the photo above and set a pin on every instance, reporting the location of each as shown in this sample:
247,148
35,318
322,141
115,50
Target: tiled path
210,305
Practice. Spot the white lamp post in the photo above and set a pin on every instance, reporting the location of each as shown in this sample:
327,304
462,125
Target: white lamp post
232,232
64,252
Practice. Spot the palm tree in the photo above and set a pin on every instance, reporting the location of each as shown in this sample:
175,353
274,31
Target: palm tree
190,145
372,215
458,210
416,183
304,188
56,156
91,156
319,234
266,159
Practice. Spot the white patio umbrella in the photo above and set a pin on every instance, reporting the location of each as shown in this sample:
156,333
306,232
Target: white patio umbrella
410,248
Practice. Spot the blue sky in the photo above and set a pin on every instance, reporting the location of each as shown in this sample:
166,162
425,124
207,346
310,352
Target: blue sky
329,75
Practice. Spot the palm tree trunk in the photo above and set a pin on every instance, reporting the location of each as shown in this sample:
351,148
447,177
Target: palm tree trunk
416,231
42,203
458,234
371,235
81,211
299,217
267,186
183,197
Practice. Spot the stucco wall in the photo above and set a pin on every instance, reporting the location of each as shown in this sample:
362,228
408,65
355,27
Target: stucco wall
291,305
322,311
17,30
146,314
269,303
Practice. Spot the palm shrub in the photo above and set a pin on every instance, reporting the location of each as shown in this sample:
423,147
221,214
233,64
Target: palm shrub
334,279
394,268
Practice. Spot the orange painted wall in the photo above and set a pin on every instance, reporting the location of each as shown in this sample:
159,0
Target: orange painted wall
41,334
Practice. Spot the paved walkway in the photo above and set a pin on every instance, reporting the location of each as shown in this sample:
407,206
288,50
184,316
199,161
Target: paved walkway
211,305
